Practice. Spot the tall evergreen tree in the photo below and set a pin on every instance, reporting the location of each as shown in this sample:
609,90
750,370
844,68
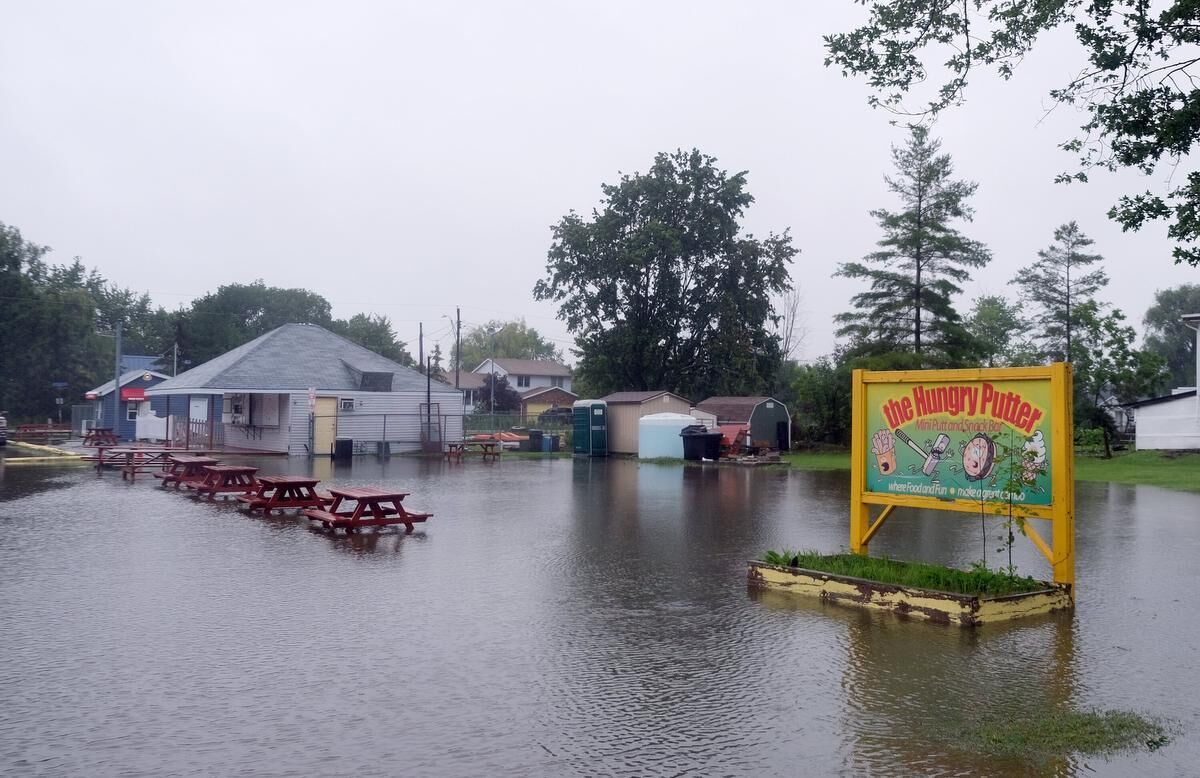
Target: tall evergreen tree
921,263
1056,283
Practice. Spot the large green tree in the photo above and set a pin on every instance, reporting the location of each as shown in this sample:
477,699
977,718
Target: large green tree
662,290
374,331
238,313
1055,283
1137,88
506,340
922,261
1169,337
996,324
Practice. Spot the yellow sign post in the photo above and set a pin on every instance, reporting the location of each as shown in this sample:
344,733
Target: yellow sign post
966,441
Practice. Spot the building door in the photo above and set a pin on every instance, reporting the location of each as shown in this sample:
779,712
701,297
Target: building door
324,426
198,408
781,436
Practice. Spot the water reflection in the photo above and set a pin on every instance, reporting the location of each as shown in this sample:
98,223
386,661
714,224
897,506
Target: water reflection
564,617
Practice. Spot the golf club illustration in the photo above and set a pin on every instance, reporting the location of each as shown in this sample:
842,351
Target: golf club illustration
933,456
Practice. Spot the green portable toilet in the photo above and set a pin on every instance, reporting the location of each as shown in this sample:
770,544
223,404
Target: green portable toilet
591,428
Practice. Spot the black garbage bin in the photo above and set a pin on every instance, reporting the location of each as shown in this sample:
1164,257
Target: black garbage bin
343,449
535,440
699,443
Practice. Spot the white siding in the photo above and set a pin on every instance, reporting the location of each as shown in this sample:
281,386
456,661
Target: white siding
1169,425
534,380
268,438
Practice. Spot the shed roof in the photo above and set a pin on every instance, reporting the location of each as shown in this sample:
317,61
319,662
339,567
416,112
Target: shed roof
733,409
295,357
1164,399
126,377
529,394
465,380
638,397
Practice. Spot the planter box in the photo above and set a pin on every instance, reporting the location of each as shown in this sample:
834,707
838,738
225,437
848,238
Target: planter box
965,610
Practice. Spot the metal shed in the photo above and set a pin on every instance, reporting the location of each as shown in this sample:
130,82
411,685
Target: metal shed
768,418
625,410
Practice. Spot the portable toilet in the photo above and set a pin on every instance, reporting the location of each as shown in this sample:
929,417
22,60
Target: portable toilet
658,435
590,428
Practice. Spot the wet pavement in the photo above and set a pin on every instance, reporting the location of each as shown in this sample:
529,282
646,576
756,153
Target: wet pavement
555,617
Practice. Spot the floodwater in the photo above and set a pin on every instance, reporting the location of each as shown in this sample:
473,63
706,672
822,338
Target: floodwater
557,617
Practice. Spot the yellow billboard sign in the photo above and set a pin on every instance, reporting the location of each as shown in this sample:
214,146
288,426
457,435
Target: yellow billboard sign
993,440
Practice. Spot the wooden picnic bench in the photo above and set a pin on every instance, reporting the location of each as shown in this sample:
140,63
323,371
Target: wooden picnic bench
227,479
133,460
43,432
455,451
276,492
101,436
373,508
185,469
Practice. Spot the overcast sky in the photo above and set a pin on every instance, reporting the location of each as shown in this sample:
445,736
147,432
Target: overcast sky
405,158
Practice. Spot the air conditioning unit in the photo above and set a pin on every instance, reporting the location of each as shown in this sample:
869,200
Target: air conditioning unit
346,404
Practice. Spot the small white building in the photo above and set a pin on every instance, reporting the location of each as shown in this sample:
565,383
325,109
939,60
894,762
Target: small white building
1169,423
300,387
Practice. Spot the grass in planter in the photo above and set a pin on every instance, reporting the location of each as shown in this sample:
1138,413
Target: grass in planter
1041,736
978,580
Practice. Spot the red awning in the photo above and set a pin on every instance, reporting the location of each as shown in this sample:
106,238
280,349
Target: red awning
133,393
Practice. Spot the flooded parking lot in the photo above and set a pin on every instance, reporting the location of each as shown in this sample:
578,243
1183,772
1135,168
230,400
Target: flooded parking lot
556,617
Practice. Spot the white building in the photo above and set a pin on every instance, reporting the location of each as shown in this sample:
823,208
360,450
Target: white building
1172,422
300,387
525,374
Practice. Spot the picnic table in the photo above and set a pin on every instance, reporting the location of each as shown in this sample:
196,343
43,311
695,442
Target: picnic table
101,436
276,492
185,469
373,508
455,451
132,460
227,479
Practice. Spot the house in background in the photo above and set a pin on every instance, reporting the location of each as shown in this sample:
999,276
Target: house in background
1171,422
766,419
300,387
535,402
526,374
133,403
625,410
471,384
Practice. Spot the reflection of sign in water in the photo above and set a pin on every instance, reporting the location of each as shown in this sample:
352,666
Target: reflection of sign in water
966,440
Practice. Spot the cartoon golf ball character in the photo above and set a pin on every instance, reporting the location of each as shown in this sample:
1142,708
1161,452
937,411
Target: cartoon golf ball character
979,457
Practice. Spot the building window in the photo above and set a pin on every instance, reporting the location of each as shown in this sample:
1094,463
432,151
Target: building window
131,411
557,381
522,382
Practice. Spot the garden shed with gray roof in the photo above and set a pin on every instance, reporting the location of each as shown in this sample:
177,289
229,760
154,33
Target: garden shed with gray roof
299,387
767,418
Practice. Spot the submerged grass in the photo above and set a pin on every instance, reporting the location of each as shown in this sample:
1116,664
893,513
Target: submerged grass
1041,736
978,581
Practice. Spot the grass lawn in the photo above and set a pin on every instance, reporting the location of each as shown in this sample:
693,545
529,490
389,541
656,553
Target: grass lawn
1171,471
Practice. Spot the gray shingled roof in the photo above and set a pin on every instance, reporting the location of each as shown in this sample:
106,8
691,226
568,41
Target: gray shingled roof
731,409
126,377
532,367
294,357
637,397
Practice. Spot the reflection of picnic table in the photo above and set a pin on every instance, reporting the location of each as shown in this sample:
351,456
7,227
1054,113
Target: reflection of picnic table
276,492
101,436
227,479
185,469
486,448
373,508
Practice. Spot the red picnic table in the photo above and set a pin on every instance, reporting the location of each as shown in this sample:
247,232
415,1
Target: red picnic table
185,469
373,508
131,460
227,479
276,492
101,436
455,451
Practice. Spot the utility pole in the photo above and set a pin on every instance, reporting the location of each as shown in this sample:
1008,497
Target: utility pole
117,382
457,343
492,382
175,359
421,344
428,411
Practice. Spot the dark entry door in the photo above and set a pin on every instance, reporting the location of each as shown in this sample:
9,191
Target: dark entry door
781,435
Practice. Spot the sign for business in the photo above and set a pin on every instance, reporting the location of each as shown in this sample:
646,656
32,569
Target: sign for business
994,441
